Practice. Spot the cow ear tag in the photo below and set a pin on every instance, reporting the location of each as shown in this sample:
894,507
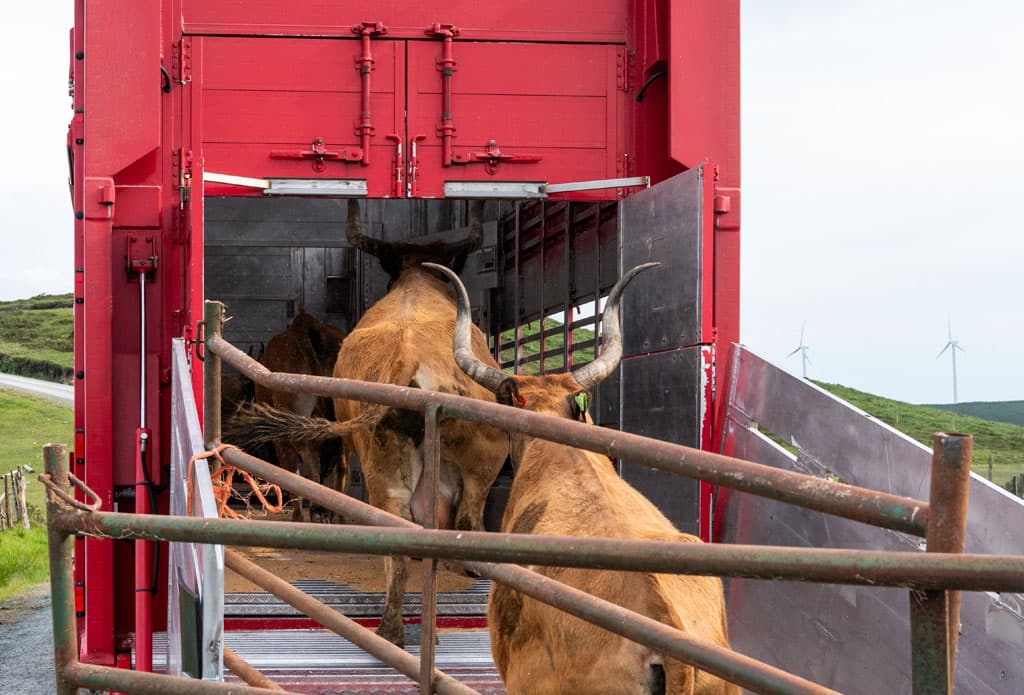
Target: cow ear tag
522,401
581,402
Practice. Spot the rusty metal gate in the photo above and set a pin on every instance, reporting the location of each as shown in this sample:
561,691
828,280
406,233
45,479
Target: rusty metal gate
926,574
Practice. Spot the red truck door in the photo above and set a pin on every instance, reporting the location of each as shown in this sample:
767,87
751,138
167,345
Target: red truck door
440,111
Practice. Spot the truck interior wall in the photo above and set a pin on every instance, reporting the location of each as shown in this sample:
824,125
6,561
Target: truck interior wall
267,257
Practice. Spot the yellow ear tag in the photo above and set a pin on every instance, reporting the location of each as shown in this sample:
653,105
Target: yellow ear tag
581,401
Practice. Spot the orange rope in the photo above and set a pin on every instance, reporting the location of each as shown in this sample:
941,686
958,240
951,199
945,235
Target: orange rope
222,477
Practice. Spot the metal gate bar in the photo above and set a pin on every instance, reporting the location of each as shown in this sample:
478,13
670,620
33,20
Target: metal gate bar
70,673
884,510
920,666
934,614
341,625
673,643
868,506
295,535
247,672
927,667
881,568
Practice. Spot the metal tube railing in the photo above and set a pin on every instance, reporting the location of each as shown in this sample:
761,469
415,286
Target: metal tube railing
247,672
880,509
365,639
911,570
934,614
868,506
673,643
70,673
472,549
121,680
428,602
734,667
62,582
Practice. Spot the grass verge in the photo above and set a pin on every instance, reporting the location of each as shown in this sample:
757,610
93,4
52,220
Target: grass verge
26,424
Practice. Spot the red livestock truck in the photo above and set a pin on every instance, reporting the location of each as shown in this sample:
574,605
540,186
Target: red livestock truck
211,150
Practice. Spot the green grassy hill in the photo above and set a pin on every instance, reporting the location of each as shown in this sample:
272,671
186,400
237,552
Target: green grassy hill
36,337
1000,411
1001,442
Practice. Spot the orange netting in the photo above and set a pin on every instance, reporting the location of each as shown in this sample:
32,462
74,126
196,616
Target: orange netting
223,477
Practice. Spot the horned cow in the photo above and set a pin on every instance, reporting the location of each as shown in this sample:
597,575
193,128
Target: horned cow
306,346
405,339
560,490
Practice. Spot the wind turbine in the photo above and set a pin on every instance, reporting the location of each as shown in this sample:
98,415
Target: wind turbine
952,346
802,349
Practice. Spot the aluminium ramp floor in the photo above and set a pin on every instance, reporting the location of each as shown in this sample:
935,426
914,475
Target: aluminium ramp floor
319,661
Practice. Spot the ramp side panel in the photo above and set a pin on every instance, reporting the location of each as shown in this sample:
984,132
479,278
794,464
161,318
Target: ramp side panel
853,639
196,568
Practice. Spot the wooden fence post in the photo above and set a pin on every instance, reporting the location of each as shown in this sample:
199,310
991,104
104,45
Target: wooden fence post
22,501
7,499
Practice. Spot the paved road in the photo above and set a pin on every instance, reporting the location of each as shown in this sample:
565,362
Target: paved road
26,645
59,393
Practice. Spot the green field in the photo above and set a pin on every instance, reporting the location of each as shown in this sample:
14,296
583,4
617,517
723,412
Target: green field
554,341
1000,411
36,337
1002,442
26,424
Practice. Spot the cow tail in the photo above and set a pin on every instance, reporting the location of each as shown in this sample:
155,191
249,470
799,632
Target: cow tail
257,424
366,420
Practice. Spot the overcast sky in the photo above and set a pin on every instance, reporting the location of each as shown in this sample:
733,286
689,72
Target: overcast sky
883,146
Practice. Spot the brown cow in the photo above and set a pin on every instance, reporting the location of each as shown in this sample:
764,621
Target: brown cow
563,491
306,346
405,339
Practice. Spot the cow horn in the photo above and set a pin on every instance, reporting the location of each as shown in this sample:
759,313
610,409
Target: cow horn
593,373
354,232
462,343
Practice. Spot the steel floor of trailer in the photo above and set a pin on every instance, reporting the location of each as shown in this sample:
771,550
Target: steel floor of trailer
287,647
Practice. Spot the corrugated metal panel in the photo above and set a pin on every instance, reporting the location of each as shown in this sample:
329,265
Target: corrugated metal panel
353,603
320,661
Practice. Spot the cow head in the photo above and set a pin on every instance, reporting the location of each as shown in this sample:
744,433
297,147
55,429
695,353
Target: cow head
396,256
561,395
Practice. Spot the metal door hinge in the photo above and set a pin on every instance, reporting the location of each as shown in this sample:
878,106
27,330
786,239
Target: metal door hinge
623,67
181,61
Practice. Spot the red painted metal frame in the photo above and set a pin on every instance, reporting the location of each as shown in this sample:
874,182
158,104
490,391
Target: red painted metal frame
164,91
469,622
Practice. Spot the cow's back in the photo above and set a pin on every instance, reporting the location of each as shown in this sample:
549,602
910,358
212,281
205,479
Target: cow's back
406,339
570,492
291,352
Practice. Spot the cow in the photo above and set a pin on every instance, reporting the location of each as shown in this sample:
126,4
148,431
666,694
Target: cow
306,346
405,339
563,491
